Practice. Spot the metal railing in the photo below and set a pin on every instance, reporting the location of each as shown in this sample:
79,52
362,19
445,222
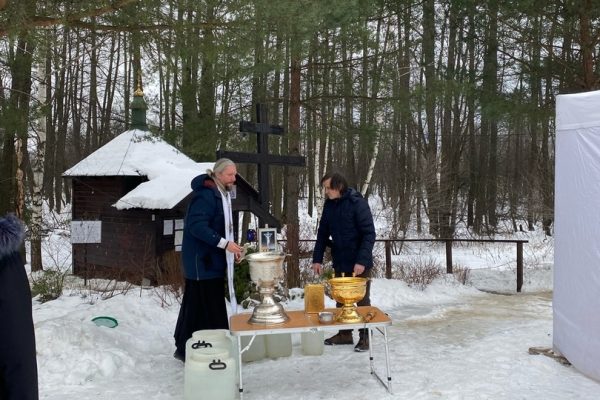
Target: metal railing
388,252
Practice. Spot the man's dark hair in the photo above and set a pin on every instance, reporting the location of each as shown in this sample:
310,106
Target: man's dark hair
338,182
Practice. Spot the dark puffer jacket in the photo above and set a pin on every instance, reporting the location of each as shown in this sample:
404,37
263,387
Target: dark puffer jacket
18,366
347,227
203,229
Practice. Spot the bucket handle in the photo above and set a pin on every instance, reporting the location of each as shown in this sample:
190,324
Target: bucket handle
202,344
217,365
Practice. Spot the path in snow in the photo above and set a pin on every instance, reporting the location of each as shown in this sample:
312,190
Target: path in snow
476,349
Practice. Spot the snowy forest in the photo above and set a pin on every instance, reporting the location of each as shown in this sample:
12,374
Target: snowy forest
444,109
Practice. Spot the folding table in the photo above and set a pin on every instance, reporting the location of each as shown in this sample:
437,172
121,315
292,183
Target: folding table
302,322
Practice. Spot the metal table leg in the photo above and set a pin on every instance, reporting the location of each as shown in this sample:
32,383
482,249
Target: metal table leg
241,388
370,333
388,382
387,360
240,351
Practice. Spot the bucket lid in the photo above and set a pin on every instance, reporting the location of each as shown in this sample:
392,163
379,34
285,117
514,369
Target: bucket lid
210,334
104,320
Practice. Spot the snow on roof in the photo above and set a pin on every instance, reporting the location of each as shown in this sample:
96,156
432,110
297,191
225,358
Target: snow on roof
165,191
139,153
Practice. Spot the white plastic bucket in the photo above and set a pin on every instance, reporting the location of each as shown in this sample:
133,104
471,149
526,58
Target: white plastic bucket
312,343
257,351
279,345
210,374
209,338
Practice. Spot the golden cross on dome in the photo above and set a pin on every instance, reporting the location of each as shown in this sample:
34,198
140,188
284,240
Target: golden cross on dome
138,90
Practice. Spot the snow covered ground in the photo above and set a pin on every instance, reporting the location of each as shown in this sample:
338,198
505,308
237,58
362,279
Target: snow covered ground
447,342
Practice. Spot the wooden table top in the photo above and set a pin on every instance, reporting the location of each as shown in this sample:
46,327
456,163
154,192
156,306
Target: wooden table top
302,322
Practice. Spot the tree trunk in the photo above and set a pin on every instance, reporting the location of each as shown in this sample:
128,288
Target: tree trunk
277,193
110,88
36,226
588,45
376,120
292,173
470,100
349,166
207,135
15,123
490,85
431,144
187,39
534,127
448,140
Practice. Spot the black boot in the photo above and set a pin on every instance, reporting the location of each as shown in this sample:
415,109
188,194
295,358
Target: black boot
363,341
342,337
179,355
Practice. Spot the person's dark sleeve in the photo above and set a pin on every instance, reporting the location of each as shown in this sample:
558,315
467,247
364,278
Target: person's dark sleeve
18,364
364,223
322,239
200,213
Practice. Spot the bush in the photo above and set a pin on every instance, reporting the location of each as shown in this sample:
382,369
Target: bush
48,285
418,274
169,280
462,274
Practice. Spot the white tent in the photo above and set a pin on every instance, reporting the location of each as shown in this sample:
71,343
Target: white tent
576,301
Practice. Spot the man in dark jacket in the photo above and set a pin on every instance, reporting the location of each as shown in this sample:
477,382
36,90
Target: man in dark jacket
347,227
18,365
208,247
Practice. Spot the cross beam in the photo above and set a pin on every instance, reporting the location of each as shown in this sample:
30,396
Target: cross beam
262,158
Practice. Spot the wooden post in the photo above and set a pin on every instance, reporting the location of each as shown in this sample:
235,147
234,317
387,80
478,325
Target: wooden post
448,256
388,260
519,266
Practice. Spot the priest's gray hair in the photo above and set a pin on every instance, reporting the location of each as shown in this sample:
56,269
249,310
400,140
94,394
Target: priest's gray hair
219,166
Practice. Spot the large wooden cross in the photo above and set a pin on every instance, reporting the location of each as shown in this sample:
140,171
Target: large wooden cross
262,158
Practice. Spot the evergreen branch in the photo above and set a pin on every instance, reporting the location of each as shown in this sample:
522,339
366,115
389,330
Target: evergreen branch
38,21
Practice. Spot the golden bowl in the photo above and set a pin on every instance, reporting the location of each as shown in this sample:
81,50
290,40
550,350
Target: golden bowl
348,290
